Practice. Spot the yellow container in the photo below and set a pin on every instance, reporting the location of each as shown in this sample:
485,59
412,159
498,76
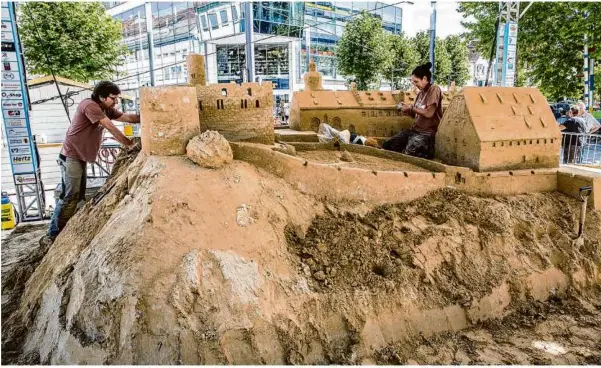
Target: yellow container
128,130
8,216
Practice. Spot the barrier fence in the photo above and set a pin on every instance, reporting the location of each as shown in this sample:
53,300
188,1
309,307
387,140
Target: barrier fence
104,162
580,149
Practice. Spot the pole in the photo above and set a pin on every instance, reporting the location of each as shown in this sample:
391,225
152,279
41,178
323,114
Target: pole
591,83
250,49
433,37
148,8
586,62
308,45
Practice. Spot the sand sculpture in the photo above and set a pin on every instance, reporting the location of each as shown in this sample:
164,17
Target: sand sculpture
195,65
488,129
368,113
281,259
239,112
313,79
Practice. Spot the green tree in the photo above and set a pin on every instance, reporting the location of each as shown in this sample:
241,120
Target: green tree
442,62
402,61
362,51
75,39
550,41
458,56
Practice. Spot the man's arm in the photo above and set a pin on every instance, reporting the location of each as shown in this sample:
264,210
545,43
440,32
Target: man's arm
129,118
406,108
108,124
428,112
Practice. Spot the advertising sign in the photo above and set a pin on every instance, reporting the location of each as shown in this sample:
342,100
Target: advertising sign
509,56
14,103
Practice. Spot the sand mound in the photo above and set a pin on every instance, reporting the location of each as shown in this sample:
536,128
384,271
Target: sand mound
181,264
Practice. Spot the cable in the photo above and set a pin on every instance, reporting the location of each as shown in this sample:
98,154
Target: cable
209,54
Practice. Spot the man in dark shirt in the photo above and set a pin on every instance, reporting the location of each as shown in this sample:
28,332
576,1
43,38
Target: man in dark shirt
81,145
573,143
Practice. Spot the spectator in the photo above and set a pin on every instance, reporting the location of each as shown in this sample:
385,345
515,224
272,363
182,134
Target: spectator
573,142
286,111
591,124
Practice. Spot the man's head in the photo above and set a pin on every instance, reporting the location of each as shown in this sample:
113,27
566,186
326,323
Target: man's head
106,93
581,108
421,75
573,111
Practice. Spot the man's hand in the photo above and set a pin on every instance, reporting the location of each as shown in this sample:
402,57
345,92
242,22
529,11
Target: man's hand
406,108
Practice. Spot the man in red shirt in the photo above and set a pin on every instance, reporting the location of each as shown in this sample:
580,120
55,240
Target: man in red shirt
81,145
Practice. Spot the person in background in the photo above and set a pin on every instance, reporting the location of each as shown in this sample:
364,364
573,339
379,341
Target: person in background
592,125
287,112
427,111
281,111
81,145
572,143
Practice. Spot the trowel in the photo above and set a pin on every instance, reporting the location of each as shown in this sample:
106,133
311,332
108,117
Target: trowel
584,193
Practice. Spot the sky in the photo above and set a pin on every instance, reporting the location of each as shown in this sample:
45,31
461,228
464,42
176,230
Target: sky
416,17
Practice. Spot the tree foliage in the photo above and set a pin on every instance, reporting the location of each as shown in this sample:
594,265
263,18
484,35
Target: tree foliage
442,62
403,60
550,41
77,40
362,51
458,57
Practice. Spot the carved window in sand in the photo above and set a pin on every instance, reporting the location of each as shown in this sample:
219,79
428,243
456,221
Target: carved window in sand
337,123
315,123
363,113
352,128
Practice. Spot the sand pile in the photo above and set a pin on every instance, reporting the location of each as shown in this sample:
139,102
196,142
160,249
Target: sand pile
182,264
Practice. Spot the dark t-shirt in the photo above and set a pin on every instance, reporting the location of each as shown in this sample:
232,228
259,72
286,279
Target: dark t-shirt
574,125
84,135
431,95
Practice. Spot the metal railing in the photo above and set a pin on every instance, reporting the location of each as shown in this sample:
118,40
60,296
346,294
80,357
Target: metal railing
580,149
109,150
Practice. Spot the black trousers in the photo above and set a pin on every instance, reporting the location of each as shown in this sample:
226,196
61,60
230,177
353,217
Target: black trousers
411,142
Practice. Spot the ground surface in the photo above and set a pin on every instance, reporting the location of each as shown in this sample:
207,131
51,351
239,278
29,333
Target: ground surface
234,266
361,161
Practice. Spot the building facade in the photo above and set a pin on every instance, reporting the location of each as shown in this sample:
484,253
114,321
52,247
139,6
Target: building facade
286,36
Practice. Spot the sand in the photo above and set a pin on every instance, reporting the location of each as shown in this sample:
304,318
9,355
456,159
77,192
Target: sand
178,264
361,161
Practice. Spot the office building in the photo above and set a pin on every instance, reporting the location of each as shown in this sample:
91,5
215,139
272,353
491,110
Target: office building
283,34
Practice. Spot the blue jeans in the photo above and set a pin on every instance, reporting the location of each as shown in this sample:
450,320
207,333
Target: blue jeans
73,190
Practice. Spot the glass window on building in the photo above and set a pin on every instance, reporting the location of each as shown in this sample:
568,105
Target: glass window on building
224,19
235,13
231,61
213,20
279,18
203,21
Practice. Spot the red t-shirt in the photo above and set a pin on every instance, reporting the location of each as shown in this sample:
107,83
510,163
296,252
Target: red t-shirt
84,135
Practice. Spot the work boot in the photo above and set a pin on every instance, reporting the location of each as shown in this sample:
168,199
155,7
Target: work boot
46,241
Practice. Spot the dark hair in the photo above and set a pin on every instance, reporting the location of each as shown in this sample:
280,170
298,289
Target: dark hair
575,109
104,89
421,71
